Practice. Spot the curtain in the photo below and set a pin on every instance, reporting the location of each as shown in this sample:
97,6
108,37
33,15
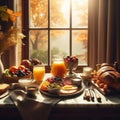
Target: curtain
103,32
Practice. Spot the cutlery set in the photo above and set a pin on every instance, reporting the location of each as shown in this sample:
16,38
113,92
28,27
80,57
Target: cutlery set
90,94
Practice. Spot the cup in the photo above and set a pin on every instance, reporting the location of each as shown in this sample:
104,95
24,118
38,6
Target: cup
24,82
39,73
32,91
87,71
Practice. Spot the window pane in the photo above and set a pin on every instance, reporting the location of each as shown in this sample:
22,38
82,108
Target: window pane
50,30
79,13
38,13
59,43
59,13
38,45
80,45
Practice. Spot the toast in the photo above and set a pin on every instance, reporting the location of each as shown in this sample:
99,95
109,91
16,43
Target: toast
3,88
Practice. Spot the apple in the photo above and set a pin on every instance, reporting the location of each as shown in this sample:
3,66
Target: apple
26,63
13,69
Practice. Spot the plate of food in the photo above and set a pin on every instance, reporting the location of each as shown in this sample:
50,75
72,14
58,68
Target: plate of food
61,87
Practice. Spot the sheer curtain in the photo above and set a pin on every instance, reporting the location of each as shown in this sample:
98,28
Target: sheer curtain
104,31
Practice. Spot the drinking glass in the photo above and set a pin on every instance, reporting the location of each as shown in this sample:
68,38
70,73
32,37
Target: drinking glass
39,73
71,63
58,68
87,71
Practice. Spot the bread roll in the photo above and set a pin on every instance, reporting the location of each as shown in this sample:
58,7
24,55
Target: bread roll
110,76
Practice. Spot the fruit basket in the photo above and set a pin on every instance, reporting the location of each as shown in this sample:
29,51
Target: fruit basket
9,80
14,73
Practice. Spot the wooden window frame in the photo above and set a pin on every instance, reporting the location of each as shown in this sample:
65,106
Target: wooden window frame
25,26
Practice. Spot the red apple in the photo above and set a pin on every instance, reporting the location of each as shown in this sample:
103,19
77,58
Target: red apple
13,69
26,63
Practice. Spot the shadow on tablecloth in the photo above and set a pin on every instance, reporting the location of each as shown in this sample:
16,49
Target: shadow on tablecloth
33,109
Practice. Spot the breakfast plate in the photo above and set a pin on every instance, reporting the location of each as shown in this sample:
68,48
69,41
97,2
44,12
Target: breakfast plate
56,87
66,95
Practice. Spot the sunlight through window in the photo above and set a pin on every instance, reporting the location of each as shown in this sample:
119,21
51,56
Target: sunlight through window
58,28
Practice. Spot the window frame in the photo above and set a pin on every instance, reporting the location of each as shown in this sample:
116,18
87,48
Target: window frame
26,28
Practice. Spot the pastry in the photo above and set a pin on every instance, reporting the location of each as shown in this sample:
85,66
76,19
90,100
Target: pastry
109,76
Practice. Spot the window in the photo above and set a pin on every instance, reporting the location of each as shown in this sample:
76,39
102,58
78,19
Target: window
56,28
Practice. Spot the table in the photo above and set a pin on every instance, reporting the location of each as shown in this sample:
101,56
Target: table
68,109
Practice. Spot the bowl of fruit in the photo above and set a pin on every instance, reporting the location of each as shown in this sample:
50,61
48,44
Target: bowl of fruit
14,73
71,63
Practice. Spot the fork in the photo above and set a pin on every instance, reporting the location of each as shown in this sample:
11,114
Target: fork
88,91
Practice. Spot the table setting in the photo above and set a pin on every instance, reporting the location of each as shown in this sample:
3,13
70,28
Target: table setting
28,84
35,93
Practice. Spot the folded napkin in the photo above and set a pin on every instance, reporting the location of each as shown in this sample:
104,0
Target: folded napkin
33,109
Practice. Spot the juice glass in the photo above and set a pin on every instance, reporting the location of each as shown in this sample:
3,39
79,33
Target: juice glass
58,68
39,73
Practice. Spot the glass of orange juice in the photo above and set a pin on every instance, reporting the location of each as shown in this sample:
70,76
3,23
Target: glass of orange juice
39,73
58,68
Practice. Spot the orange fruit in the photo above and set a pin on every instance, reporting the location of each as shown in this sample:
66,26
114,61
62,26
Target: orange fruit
44,85
21,67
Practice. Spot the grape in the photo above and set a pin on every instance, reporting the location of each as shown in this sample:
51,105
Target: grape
50,80
15,76
71,59
20,73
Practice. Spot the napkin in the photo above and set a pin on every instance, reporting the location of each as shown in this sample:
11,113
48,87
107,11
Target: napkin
33,109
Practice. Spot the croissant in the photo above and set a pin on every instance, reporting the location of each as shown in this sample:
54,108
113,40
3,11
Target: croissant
109,75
